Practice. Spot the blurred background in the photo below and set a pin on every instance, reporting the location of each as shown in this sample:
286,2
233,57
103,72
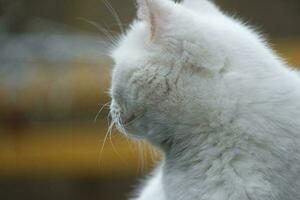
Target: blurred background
54,78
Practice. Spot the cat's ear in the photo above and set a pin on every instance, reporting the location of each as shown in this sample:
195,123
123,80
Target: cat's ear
157,14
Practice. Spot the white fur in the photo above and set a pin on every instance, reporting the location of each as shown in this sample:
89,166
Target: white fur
212,95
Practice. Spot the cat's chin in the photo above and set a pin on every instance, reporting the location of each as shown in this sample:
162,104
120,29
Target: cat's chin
162,143
131,133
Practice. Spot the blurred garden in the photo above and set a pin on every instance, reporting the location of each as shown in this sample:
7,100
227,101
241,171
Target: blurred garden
54,81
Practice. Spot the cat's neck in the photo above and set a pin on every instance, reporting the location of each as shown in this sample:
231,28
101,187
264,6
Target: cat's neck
202,148
208,160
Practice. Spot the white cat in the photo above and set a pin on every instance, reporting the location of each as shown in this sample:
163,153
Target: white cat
213,96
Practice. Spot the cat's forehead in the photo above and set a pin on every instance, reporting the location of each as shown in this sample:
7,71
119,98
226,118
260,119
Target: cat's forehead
128,57
131,46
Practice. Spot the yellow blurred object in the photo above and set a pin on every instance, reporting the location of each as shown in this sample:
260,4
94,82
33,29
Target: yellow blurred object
289,49
75,150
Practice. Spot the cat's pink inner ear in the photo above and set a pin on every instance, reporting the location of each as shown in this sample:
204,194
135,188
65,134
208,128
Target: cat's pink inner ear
157,15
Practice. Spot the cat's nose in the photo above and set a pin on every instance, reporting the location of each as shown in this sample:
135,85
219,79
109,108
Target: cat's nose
119,115
115,110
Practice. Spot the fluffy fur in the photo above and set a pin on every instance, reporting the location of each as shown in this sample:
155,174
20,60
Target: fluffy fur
213,96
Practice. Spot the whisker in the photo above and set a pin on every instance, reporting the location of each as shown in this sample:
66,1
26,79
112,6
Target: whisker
120,125
154,155
106,33
145,155
115,15
115,149
141,158
100,110
105,140
116,25
108,119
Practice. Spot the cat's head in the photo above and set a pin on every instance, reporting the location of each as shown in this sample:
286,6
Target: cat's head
166,68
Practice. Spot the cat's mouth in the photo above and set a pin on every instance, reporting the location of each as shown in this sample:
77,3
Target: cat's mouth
128,120
129,123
